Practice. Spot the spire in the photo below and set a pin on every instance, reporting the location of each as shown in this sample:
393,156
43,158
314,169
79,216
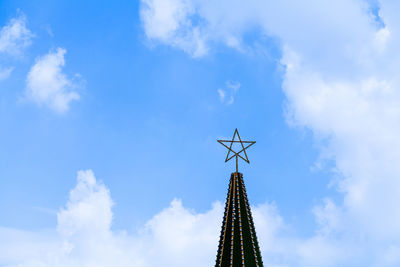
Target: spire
238,244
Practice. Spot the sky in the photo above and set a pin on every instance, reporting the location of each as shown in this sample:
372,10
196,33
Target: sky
110,112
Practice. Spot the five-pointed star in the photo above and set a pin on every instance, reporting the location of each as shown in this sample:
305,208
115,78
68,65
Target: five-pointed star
236,154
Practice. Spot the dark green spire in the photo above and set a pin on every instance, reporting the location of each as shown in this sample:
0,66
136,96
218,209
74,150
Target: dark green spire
238,244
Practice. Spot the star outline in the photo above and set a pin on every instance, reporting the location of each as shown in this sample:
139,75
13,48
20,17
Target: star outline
236,154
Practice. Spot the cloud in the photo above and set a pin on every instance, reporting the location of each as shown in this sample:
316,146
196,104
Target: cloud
231,87
221,94
84,237
169,21
15,36
340,78
47,85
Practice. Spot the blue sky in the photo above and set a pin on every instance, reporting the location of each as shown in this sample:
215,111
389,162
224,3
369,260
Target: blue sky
139,92
147,121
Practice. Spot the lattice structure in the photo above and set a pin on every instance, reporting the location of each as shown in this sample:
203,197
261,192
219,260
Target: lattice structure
238,244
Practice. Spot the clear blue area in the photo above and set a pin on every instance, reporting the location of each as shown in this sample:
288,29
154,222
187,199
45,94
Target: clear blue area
146,124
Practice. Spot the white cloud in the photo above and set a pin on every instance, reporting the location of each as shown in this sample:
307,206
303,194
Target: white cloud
195,236
341,82
15,36
83,236
47,85
231,87
221,94
169,21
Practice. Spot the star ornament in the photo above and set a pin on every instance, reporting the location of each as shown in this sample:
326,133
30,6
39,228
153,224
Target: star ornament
244,144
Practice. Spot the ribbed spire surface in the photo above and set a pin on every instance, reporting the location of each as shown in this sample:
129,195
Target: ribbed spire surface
238,244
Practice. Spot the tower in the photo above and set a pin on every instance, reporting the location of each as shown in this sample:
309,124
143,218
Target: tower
238,245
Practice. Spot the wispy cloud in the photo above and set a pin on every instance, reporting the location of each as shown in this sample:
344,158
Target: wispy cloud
170,21
230,90
46,84
15,36
221,94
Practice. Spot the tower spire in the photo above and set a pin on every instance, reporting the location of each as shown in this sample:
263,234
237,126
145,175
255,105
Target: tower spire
238,245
